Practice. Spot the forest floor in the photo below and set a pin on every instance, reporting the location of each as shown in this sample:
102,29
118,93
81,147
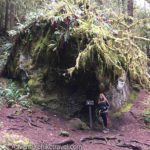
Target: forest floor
43,128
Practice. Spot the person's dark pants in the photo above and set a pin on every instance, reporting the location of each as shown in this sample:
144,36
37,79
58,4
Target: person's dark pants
105,119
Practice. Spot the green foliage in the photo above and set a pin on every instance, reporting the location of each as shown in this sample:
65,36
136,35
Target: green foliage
146,113
7,46
11,93
147,118
5,52
10,141
12,32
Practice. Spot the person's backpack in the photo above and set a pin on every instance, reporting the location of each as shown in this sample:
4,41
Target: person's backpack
103,106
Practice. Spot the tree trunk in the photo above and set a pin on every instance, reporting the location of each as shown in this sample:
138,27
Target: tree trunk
148,50
1,16
12,19
123,7
99,2
145,8
130,10
0,23
6,15
119,5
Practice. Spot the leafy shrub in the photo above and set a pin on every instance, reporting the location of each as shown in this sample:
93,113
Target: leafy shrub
12,93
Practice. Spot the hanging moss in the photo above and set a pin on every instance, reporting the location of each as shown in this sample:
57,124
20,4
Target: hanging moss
112,52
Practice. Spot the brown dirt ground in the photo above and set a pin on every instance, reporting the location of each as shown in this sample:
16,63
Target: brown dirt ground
43,127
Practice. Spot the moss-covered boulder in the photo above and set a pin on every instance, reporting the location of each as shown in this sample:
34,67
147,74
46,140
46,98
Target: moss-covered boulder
77,124
68,55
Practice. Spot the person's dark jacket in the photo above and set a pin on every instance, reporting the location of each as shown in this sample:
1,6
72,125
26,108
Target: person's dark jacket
103,106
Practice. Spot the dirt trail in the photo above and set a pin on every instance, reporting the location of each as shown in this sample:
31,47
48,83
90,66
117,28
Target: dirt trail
44,127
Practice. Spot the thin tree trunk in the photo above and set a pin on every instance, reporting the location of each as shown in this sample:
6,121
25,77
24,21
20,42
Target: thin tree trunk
12,19
123,7
148,50
119,5
145,8
1,15
130,10
6,15
0,22
100,2
130,7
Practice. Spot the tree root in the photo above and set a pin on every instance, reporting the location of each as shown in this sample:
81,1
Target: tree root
84,139
66,142
130,146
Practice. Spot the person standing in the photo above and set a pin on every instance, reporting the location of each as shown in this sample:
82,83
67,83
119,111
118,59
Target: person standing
103,106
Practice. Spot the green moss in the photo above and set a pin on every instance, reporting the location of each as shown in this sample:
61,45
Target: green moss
82,126
147,111
40,49
147,119
27,64
39,99
87,48
127,107
147,114
14,66
33,84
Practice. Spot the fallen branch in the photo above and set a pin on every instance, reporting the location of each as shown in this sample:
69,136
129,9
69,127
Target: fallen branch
13,129
30,122
135,141
130,146
133,115
33,124
11,117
